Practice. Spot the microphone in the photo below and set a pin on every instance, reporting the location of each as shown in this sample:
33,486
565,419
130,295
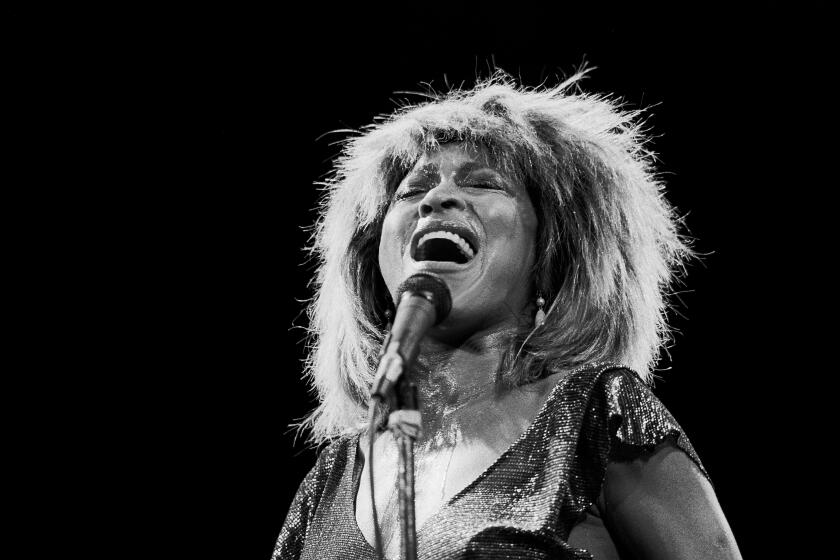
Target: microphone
423,301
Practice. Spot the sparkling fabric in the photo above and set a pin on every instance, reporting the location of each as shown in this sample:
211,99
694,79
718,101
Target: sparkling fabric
525,504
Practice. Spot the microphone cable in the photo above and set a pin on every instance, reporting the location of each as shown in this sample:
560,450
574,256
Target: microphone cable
371,432
380,551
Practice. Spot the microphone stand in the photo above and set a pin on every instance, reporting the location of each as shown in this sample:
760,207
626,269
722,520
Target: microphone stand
404,422
396,388
423,301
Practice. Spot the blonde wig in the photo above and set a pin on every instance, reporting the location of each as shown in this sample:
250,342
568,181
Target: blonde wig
607,250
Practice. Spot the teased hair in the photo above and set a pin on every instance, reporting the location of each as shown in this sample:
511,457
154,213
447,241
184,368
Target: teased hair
606,251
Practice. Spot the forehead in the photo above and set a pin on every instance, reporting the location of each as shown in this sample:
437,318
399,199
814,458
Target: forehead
452,157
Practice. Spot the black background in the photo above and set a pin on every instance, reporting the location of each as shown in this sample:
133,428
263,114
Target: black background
237,109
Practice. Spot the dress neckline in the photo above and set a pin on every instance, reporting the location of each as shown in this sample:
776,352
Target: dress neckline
356,481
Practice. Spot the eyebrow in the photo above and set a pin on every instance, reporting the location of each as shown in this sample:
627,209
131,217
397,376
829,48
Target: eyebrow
431,171
469,167
428,171
472,167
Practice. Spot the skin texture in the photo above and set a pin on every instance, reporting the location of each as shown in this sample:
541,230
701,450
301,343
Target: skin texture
661,507
658,506
490,295
459,186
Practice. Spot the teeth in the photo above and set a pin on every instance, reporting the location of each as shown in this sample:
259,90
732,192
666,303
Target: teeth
454,237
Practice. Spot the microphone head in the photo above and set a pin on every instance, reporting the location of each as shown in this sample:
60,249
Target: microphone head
431,287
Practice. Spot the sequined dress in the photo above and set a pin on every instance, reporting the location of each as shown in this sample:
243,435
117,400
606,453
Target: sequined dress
525,504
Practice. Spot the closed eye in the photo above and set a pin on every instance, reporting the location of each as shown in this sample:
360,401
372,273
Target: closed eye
483,185
408,194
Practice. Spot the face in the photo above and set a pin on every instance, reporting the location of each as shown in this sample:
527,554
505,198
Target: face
458,217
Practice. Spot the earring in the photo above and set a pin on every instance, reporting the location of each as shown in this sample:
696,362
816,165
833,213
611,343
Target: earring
539,318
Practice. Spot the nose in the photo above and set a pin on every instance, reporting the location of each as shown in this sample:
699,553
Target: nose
441,198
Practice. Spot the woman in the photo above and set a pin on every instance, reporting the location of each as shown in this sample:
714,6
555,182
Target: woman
540,439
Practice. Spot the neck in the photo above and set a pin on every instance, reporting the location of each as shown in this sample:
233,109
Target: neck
450,377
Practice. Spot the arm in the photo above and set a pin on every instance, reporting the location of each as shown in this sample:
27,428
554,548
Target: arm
660,506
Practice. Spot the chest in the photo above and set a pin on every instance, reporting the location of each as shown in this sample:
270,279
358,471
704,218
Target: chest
441,475
445,465
441,471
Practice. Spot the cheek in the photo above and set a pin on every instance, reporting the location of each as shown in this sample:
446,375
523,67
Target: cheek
515,228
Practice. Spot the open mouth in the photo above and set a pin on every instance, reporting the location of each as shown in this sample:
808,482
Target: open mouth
444,246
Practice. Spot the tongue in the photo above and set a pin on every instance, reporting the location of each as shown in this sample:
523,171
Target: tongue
440,250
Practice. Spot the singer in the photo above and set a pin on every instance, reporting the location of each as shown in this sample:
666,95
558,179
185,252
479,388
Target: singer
540,212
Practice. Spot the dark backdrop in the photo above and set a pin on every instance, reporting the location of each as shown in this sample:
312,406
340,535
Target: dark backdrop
242,104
